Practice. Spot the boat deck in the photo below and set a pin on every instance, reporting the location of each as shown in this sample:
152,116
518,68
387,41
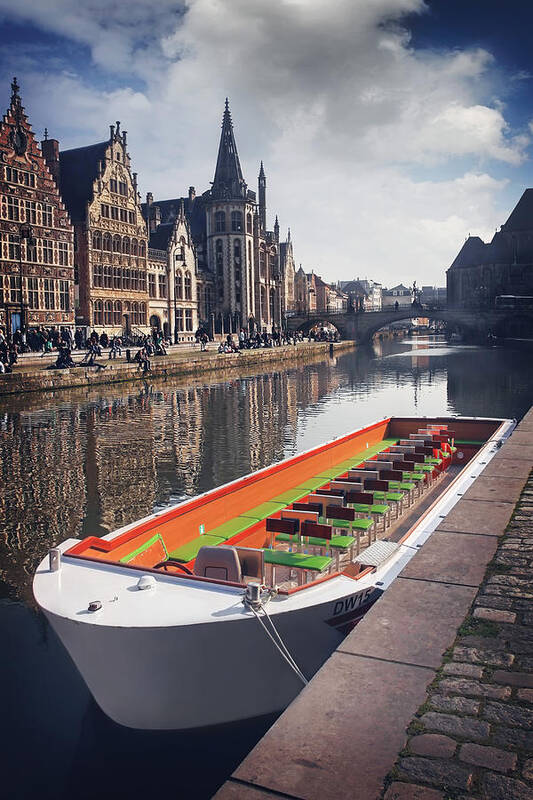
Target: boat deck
374,484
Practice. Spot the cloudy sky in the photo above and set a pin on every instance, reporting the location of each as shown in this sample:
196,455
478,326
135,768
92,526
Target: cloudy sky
389,129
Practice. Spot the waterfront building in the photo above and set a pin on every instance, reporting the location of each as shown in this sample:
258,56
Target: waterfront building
239,278
398,294
111,239
504,266
172,276
287,270
433,296
363,294
36,258
301,292
319,296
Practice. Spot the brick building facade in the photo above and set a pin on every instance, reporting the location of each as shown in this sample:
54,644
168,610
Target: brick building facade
111,240
36,232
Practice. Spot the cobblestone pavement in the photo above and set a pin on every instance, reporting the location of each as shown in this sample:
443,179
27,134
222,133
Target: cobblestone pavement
473,737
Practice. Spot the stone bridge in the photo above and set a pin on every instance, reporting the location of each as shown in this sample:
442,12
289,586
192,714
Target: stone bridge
473,325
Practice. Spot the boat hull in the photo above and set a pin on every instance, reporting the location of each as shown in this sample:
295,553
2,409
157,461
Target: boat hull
200,675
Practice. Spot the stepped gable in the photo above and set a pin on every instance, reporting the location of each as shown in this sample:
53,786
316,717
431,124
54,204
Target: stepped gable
20,149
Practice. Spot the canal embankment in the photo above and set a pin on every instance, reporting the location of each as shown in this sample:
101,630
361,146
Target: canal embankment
32,375
431,696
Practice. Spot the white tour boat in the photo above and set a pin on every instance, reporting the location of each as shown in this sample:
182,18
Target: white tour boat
220,608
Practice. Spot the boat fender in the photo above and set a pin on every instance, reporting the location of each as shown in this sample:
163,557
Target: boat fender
93,606
146,582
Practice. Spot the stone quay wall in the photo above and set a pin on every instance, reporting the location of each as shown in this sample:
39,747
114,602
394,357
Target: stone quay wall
184,362
431,696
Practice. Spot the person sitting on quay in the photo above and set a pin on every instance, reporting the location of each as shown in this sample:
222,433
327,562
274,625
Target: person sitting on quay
64,359
115,347
142,358
90,356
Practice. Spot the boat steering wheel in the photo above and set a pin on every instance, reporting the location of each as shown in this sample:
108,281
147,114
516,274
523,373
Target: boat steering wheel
170,562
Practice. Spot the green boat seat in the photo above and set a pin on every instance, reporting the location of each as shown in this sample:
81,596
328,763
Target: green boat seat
406,486
333,472
424,468
189,551
393,497
260,512
375,508
145,546
342,542
312,484
290,496
413,476
297,560
232,527
356,459
433,460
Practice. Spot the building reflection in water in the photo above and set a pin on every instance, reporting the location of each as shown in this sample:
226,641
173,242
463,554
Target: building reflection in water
87,462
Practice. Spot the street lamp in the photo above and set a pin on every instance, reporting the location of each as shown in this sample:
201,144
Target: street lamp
25,232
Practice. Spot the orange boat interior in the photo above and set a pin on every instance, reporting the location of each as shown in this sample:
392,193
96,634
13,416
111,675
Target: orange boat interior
240,514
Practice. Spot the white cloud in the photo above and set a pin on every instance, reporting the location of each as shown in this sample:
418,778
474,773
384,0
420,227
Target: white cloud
332,96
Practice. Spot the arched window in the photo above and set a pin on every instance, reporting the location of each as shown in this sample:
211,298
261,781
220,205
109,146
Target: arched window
262,261
142,313
108,312
134,247
98,312
219,257
135,313
248,223
220,221
106,243
179,286
97,240
236,221
188,286
126,245
181,250
272,304
142,249
117,313
116,244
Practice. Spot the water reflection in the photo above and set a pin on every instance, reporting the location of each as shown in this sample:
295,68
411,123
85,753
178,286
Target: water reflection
86,462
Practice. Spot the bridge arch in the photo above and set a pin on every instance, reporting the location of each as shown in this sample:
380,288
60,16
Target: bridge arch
454,323
308,324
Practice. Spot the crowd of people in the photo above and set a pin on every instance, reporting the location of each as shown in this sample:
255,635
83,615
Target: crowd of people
254,341
64,342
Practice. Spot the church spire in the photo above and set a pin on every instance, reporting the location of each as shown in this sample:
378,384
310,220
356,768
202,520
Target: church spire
262,197
228,182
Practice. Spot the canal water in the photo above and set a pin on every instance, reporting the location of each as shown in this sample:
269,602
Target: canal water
88,461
